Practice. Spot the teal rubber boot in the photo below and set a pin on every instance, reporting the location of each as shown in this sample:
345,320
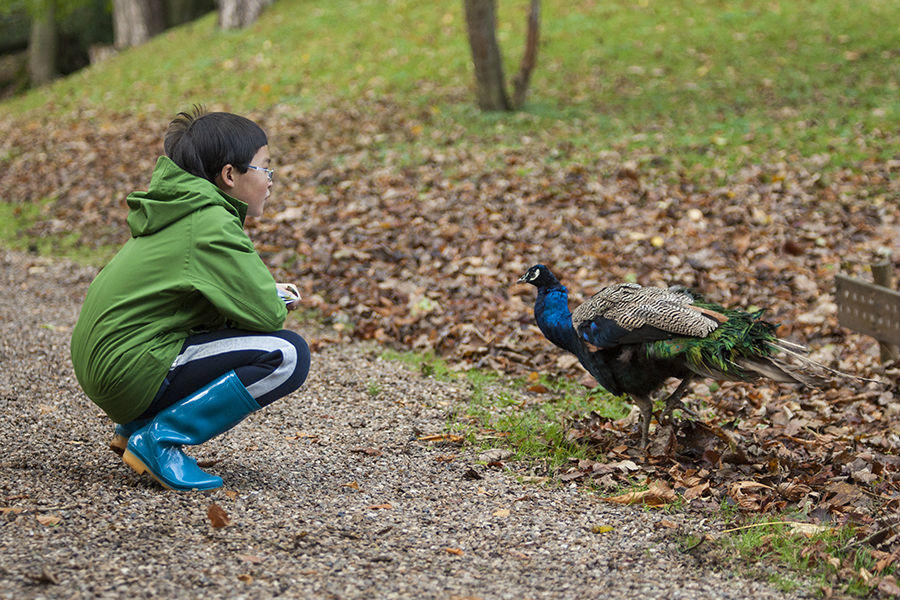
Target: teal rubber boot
156,447
119,442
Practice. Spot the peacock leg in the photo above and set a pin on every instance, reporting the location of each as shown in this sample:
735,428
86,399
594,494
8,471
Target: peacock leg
674,401
646,407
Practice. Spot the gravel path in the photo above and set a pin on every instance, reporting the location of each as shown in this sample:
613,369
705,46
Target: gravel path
329,493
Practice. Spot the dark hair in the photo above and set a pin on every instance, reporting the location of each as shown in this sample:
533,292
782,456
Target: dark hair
202,143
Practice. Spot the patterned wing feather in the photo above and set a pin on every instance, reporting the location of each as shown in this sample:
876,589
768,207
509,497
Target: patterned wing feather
630,307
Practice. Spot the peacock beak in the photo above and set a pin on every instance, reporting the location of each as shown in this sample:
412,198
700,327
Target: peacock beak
522,279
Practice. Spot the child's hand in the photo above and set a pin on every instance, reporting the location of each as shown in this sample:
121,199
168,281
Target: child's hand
290,294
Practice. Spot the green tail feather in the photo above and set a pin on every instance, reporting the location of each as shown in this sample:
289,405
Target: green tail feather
744,335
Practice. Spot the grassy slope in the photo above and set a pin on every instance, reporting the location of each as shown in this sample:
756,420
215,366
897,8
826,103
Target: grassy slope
710,83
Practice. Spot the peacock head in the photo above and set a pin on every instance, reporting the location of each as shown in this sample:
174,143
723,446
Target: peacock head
539,276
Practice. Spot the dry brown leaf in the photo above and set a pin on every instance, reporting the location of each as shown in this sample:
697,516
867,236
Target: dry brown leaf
668,524
885,561
443,437
696,491
658,494
218,518
49,519
251,558
888,585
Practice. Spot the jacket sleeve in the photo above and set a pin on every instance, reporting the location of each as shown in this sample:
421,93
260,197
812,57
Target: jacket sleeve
225,268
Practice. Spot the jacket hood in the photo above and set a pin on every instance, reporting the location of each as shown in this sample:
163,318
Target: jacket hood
173,194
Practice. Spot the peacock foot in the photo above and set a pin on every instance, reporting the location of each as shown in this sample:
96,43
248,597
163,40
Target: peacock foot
666,415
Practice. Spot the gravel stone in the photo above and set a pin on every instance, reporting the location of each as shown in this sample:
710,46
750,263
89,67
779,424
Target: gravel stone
329,493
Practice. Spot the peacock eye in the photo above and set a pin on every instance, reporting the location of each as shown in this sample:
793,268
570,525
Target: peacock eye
534,275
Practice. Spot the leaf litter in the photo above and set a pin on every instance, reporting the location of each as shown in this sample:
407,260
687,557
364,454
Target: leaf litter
424,253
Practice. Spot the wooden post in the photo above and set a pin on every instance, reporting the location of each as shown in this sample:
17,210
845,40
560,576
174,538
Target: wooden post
881,273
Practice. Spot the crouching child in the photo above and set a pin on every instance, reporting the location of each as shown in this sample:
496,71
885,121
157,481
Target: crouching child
181,335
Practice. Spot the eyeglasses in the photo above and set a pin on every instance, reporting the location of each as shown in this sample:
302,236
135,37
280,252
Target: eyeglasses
270,173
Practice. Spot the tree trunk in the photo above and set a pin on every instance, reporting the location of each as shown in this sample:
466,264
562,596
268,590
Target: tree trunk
42,45
481,25
529,58
136,21
236,14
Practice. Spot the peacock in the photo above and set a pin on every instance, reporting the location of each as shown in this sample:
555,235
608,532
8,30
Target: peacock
631,339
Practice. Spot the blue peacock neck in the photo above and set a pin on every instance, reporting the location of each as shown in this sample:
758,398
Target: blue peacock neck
551,311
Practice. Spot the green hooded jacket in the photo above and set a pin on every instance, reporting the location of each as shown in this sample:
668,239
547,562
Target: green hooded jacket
188,267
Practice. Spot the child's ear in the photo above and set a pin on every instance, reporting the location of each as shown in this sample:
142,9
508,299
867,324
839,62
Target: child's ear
225,178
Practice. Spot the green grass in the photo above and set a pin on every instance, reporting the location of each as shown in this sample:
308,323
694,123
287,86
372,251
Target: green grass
498,412
763,546
681,85
373,389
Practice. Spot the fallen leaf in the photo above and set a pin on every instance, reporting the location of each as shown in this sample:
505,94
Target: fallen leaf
886,561
45,576
658,494
385,506
251,558
501,512
809,529
626,466
367,450
888,585
456,551
218,518
49,519
495,455
696,491
668,524
443,437
471,474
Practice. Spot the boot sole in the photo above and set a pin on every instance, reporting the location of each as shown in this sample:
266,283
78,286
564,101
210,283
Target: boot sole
138,465
118,444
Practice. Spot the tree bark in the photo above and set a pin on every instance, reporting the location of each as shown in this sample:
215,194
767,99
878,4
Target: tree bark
236,14
42,45
481,25
529,58
136,21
